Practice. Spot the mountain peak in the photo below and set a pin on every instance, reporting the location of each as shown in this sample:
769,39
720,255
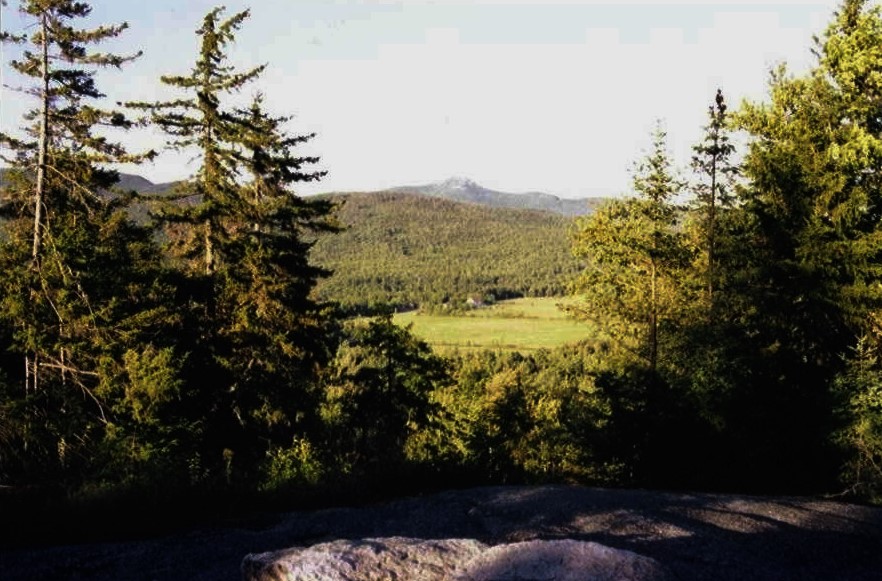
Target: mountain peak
458,183
462,189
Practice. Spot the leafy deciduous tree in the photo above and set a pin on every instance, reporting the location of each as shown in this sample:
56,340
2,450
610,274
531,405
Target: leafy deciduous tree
378,395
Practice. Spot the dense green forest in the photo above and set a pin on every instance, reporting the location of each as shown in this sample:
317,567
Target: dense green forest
408,250
405,250
196,353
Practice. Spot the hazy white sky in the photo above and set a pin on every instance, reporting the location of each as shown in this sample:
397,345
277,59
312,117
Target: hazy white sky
518,95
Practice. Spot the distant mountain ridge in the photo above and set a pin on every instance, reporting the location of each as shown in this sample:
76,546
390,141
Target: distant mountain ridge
461,189
457,189
127,182
142,185
408,249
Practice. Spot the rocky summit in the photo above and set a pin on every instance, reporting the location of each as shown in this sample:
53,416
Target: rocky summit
509,530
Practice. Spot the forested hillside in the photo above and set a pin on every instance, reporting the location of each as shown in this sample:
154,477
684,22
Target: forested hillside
408,250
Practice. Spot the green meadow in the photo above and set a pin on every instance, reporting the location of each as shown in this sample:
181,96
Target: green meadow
514,325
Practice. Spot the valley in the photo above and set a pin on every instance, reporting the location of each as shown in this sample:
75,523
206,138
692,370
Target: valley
203,357
520,325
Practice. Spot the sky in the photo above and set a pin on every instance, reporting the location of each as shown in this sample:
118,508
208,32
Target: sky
518,95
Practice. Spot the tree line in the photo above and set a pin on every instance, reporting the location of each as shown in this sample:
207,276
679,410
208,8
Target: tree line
180,350
190,353
747,325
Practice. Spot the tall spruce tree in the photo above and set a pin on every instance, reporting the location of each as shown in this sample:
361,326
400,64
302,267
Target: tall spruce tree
713,190
278,333
254,334
198,121
634,254
814,202
77,289
632,288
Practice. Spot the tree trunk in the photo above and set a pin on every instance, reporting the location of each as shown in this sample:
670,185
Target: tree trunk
209,249
42,143
653,322
711,223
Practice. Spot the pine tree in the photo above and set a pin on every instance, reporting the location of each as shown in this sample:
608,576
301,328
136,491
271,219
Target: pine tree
632,289
61,118
254,334
634,254
199,122
813,277
72,261
713,192
277,331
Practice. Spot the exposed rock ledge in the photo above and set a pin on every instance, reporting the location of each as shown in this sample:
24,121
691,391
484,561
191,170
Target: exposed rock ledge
695,536
407,559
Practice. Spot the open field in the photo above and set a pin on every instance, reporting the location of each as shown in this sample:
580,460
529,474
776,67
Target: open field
515,325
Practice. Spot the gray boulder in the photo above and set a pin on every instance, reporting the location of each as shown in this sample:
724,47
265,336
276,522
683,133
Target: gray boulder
564,560
364,560
403,559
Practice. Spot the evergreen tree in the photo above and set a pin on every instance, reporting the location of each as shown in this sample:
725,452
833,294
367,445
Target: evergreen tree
632,288
377,396
634,254
62,118
713,192
199,122
815,190
278,334
78,285
814,260
255,336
